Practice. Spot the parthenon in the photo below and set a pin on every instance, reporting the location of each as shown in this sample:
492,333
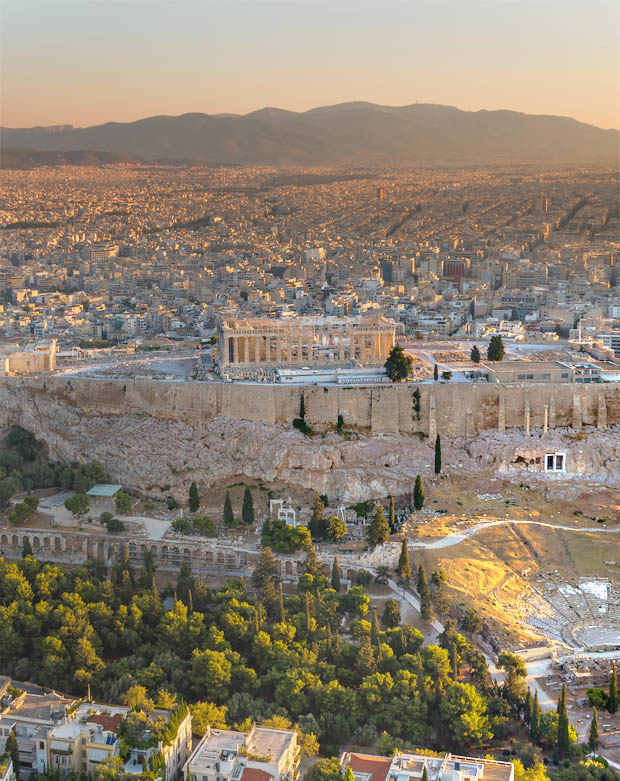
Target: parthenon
311,340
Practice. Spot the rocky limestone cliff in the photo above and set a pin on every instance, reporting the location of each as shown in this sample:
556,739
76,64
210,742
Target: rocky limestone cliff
145,453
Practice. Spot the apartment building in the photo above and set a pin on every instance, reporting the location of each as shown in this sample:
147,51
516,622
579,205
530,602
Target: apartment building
411,767
258,755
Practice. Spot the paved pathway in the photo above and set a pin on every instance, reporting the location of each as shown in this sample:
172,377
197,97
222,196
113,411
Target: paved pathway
455,539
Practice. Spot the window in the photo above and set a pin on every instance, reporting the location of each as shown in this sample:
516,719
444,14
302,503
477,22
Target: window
564,375
555,462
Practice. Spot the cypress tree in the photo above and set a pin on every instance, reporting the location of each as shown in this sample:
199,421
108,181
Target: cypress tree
317,522
436,373
27,548
426,607
424,774
335,575
563,734
404,568
194,499
437,455
418,494
281,605
593,737
454,661
302,407
391,515
527,706
229,518
247,511
475,354
375,629
379,530
12,750
535,719
308,606
612,701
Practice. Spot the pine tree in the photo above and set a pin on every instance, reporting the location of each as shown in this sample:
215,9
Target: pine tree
436,373
418,494
398,365
495,350
612,700
27,548
379,530
247,511
336,575
392,515
593,737
302,407
403,570
12,749
563,733
437,455
475,354
194,499
229,518
535,719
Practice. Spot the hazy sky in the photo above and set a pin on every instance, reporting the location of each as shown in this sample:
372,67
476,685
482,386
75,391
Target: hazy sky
83,62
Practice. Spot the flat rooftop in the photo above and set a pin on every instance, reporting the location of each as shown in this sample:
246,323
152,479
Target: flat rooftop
269,742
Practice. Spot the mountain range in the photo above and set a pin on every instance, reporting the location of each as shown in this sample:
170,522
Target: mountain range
348,133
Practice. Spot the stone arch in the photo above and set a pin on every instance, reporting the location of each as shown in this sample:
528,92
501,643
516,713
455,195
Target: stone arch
14,541
46,543
57,544
187,555
230,561
300,568
288,567
4,540
209,557
220,558
36,543
142,550
132,549
163,553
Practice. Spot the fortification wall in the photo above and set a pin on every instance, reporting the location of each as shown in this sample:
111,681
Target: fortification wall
451,409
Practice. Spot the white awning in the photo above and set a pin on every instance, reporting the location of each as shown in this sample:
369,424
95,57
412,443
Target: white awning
97,755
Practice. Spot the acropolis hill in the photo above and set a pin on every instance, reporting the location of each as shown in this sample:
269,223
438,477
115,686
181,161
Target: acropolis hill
149,433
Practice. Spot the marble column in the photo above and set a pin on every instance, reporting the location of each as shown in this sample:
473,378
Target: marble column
246,358
257,340
235,349
546,423
268,349
341,346
552,412
527,416
279,349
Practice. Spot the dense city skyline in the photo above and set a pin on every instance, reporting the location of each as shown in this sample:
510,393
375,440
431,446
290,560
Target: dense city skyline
74,63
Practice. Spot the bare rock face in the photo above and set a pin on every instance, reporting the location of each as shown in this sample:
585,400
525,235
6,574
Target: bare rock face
145,453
